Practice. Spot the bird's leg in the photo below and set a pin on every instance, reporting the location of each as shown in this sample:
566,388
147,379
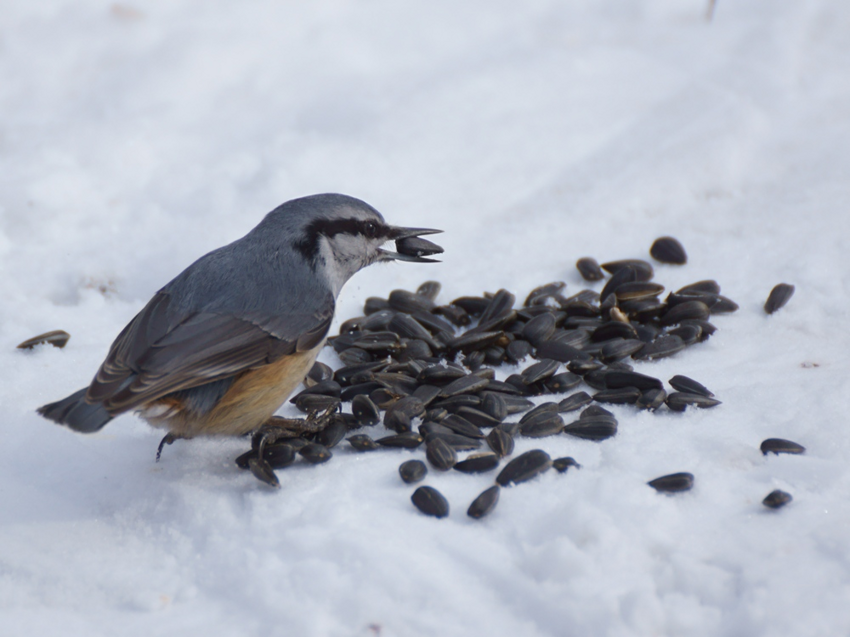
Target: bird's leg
168,439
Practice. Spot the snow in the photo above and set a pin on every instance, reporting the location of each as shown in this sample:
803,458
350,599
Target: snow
135,137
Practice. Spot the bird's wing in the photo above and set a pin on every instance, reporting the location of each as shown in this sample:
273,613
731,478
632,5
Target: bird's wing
157,354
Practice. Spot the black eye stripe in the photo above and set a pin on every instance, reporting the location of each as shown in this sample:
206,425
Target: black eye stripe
309,245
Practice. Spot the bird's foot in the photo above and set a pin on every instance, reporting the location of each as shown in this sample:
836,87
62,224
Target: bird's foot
277,429
168,439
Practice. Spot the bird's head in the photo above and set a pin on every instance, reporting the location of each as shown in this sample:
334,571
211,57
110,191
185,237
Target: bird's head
339,235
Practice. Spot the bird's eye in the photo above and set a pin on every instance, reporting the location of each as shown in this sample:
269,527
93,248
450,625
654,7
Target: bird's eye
371,229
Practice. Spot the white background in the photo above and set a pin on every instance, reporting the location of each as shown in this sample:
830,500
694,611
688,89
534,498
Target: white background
135,137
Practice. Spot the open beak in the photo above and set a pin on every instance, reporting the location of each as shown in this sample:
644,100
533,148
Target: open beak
410,247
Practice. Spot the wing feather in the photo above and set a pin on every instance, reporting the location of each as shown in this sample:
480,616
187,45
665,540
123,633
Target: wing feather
157,353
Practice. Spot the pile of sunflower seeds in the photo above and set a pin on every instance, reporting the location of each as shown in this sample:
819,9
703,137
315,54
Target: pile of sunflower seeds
427,371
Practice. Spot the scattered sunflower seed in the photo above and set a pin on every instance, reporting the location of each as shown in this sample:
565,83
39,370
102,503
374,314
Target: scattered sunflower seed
430,502
668,250
57,338
778,445
776,499
524,467
562,464
412,471
778,297
673,483
484,503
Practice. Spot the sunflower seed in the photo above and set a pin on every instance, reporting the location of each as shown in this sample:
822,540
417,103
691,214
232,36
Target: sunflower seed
574,402
460,425
478,417
643,269
592,428
685,384
637,290
430,502
618,349
778,445
375,304
278,456
596,379
409,302
501,442
314,453
494,405
484,503
561,352
379,321
539,371
612,329
539,329
778,297
668,250
651,399
57,338
524,467
582,368
542,408
661,347
710,286
478,463
317,374
440,454
685,311
500,306
327,387
589,269
776,499
472,305
314,402
429,289
362,442
465,385
456,315
563,382
412,471
406,440
417,247
331,435
345,375
458,441
619,396
517,351
543,424
562,464
596,411
263,472
407,327
689,334
627,274
678,401
673,483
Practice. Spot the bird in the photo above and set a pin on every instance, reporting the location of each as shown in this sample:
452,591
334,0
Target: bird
219,349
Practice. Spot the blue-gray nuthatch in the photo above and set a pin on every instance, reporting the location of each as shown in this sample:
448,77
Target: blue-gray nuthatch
220,348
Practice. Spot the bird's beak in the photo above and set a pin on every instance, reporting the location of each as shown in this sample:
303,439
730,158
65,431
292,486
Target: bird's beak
409,245
397,233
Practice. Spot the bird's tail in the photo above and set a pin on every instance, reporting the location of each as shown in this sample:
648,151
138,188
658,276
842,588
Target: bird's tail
76,413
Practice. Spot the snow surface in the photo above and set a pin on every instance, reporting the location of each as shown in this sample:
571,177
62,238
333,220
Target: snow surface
135,137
